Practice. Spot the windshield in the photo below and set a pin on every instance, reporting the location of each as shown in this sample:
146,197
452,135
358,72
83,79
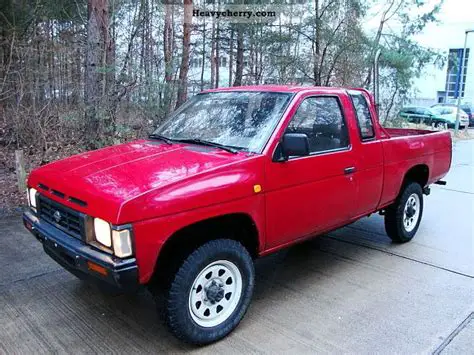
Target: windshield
242,120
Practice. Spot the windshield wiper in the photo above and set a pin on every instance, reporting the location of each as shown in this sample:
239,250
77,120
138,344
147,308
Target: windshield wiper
161,138
208,143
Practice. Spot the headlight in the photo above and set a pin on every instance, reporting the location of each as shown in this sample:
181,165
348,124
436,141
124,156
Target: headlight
102,232
32,197
118,240
122,243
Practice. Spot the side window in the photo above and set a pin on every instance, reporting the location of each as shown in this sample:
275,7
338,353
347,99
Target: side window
321,119
364,121
304,117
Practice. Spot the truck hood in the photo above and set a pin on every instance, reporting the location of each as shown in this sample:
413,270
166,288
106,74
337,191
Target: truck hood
103,182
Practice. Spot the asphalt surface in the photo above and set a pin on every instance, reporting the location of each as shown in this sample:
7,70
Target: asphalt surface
351,291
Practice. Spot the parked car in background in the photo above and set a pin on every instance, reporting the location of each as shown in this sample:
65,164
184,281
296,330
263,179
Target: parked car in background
467,108
446,115
416,114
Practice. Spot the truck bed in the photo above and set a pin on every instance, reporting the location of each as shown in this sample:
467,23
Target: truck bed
406,148
402,132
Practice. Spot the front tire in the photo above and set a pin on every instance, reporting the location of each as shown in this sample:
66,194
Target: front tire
403,217
211,292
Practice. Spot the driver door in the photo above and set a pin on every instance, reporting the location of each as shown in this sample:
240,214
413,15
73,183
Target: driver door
310,194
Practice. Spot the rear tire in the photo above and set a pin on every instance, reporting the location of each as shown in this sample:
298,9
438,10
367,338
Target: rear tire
440,125
211,292
403,217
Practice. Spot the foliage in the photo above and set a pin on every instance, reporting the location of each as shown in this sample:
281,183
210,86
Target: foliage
403,59
43,53
45,48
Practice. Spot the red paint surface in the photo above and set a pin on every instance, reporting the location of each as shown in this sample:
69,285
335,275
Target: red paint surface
161,188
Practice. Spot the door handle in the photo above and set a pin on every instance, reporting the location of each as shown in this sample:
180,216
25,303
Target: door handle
350,170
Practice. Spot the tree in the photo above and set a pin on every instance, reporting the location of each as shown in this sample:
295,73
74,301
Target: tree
95,88
55,56
168,48
239,67
183,70
403,59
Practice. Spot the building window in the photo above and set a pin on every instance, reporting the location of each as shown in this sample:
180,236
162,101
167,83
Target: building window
454,75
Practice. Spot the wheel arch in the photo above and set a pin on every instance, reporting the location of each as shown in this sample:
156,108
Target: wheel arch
186,239
419,173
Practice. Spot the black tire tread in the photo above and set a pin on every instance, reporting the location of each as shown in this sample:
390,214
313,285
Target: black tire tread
172,299
394,214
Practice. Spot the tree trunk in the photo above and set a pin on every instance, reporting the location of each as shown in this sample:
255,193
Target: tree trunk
76,76
20,171
217,59
317,46
376,43
52,91
251,55
110,95
95,56
146,52
213,55
168,53
167,44
239,69
203,54
231,55
183,70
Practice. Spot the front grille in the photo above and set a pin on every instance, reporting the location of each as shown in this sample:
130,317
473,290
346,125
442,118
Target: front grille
68,220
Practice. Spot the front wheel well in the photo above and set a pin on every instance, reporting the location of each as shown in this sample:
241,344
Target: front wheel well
237,226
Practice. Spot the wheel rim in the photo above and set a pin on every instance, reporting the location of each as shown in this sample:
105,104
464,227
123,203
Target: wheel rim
411,213
215,293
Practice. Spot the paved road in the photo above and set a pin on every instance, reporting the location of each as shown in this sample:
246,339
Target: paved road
351,291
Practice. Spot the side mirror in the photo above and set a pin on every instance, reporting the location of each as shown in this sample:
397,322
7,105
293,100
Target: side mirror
292,144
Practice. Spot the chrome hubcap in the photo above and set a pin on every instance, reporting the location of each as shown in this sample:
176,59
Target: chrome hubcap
411,212
215,293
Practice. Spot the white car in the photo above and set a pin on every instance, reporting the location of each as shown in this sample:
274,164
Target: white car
447,115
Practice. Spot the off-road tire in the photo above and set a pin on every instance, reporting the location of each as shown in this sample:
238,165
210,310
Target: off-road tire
394,214
178,298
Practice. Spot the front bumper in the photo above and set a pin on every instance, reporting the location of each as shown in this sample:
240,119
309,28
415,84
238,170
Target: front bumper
81,259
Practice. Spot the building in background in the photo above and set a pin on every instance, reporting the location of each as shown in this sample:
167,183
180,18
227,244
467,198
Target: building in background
447,37
454,78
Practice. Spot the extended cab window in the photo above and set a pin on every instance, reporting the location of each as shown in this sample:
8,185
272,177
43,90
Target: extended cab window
321,119
364,120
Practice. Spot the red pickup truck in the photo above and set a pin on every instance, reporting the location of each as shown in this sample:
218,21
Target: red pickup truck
234,174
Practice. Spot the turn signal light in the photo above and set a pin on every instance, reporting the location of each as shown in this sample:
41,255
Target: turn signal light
97,268
28,225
